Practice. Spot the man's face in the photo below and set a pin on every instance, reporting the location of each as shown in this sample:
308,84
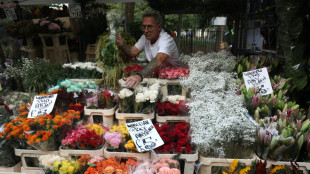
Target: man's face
150,29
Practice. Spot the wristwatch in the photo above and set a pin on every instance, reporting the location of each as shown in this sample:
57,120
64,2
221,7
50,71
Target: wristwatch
140,76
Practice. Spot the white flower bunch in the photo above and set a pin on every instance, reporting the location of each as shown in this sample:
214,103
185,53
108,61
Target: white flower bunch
147,93
83,65
216,113
47,161
125,93
175,99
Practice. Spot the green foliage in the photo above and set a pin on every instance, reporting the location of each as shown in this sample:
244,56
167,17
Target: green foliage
36,75
21,29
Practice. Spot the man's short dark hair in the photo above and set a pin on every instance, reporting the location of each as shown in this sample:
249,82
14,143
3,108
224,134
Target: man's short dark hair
157,16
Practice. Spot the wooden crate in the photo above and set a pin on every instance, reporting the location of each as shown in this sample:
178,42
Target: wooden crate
24,153
168,119
106,114
91,52
164,87
77,152
122,117
137,155
13,169
189,160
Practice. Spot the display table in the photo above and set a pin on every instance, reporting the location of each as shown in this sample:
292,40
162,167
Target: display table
106,114
122,117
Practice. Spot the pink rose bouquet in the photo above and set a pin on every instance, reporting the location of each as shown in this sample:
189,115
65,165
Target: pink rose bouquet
170,72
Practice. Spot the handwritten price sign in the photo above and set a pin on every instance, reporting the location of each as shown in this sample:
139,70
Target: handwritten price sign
144,135
258,78
10,13
42,105
75,10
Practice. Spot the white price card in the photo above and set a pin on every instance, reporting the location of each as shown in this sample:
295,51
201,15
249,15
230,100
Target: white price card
258,78
75,10
10,13
144,135
42,105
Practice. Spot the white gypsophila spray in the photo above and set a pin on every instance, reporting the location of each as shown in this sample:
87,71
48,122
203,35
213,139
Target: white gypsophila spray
216,113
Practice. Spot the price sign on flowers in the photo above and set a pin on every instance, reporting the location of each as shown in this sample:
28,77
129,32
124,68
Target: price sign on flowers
42,105
144,135
75,10
10,13
258,78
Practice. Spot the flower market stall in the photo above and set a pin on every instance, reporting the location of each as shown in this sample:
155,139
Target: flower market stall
201,117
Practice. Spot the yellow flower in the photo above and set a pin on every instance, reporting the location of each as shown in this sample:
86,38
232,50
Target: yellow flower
70,170
276,168
245,170
56,166
63,169
224,172
233,165
96,128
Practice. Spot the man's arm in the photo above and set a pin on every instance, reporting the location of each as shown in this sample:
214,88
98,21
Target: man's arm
129,51
134,80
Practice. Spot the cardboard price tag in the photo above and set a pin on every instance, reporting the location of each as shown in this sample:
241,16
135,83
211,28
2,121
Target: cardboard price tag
10,13
144,135
42,105
75,10
258,78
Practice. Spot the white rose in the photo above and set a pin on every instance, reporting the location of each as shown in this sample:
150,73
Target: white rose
144,89
128,93
122,82
155,86
140,97
139,89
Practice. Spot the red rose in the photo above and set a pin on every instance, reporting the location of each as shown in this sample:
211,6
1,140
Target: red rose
178,149
181,135
166,149
182,142
171,135
165,127
162,134
188,149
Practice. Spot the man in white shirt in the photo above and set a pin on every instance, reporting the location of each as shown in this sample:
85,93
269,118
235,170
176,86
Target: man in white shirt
160,48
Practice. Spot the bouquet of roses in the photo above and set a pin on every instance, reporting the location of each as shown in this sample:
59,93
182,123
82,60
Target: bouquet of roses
119,139
51,25
146,98
127,98
173,105
106,99
177,139
166,166
47,161
84,137
170,72
111,166
131,70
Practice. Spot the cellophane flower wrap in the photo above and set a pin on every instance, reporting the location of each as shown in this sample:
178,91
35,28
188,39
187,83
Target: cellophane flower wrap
176,138
111,166
146,97
85,137
126,99
173,105
170,72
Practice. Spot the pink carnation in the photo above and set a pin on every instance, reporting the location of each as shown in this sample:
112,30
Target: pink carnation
53,26
42,23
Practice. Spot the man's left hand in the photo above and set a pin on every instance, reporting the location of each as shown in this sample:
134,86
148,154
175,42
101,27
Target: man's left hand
132,81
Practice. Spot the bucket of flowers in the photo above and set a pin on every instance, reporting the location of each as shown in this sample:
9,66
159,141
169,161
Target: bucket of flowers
84,139
57,164
100,108
119,143
42,132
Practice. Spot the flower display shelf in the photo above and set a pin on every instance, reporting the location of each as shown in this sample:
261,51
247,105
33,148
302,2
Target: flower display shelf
166,82
166,119
137,155
208,163
107,115
78,152
122,117
25,153
32,171
15,168
55,47
189,159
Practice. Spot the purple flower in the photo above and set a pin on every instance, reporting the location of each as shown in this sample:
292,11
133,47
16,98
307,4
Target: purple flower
54,26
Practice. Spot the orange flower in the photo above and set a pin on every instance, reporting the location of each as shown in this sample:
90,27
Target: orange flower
63,120
38,140
45,138
20,136
21,108
54,91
